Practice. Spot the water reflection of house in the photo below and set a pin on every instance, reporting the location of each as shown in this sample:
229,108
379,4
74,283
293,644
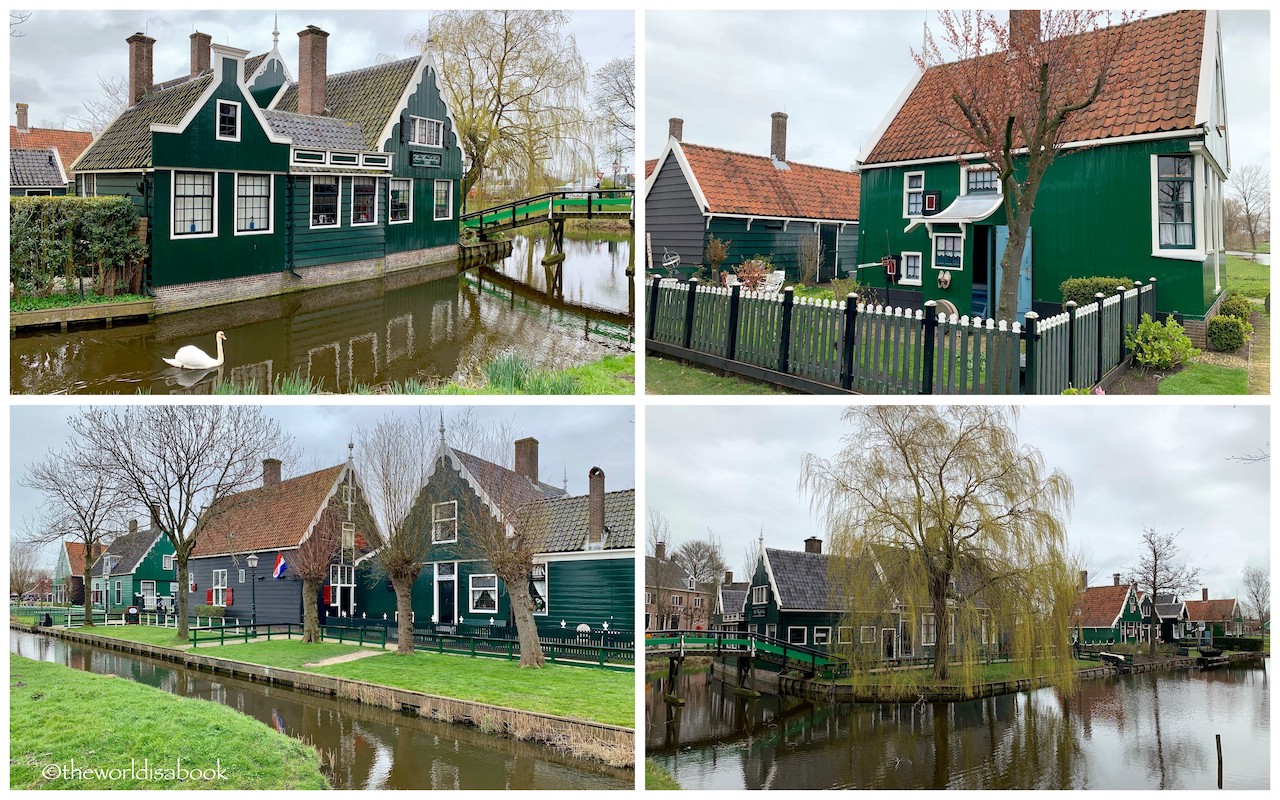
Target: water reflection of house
254,183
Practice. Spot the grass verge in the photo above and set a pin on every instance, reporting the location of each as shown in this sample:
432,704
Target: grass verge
58,714
146,634
665,376
69,301
1205,379
655,777
1248,278
287,654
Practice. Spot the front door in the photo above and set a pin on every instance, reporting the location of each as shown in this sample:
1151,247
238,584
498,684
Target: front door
887,642
149,595
446,605
1024,274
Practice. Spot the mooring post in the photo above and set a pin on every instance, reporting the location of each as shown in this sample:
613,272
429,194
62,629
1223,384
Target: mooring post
848,341
784,347
930,335
1218,738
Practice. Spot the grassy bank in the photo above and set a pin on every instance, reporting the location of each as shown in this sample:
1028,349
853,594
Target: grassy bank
146,634
59,715
1202,378
579,692
666,376
17,304
655,777
1248,278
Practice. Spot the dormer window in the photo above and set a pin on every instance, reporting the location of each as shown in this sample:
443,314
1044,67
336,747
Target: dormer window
228,121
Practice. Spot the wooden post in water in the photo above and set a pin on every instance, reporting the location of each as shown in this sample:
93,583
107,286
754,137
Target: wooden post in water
1218,738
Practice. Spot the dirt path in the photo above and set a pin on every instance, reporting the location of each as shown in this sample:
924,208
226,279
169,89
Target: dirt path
1260,355
344,658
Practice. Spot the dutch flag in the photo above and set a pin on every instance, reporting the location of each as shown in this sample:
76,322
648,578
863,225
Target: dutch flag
281,566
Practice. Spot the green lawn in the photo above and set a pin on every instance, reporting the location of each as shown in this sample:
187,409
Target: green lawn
1248,278
58,715
655,777
1205,379
288,654
664,376
69,300
147,634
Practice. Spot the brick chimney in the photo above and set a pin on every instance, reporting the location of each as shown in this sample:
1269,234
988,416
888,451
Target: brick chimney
141,47
1204,593
133,526
270,472
813,545
728,576
22,118
675,128
660,551
313,69
1084,579
527,458
1024,31
155,515
1115,577
778,137
200,43
595,507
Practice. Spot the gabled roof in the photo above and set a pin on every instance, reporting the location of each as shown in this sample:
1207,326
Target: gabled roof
366,98
1154,89
1099,606
1211,610
800,580
268,518
503,485
675,578
733,596
325,133
126,143
726,182
35,168
75,556
128,549
560,524
69,144
649,164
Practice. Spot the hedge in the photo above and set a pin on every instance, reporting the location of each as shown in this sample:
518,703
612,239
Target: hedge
71,237
1082,290
1245,644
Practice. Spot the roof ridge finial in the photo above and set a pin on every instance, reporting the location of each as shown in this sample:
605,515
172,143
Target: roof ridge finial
351,450
275,32
566,478
442,444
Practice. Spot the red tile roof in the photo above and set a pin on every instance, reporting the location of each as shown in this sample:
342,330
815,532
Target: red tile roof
1098,606
740,183
75,556
70,144
1211,610
264,519
649,165
1153,90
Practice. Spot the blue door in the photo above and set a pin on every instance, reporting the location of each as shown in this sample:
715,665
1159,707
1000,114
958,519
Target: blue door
1024,273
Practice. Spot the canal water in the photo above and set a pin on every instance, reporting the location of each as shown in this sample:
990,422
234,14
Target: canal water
1149,731
368,333
362,747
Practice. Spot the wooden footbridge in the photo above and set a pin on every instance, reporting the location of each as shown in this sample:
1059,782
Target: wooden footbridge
749,649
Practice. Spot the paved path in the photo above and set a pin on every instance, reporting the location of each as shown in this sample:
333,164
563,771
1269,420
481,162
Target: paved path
345,657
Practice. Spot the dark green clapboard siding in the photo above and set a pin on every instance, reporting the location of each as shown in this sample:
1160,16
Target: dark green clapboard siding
122,184
338,244
591,592
425,232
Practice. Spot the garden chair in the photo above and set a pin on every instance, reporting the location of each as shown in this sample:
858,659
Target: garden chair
773,284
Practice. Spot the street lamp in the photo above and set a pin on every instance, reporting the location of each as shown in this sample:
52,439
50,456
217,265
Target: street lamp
253,590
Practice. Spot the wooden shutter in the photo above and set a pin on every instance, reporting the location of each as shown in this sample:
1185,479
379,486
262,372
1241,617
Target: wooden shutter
208,597
230,596
327,594
406,128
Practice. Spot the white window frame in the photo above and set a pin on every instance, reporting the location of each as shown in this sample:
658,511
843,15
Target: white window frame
542,566
697,602
191,582
119,593
939,236
648,598
271,205
173,204
966,169
217,120
759,595
928,630
867,634
376,194
219,599
241,576
142,590
1197,251
435,186
422,125
166,563
39,193
771,630
905,280
677,601
826,635
907,191
311,204
471,594
391,184
804,635
844,634
437,519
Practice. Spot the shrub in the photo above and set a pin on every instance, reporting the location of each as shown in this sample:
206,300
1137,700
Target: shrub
1227,334
209,611
68,237
1160,346
1249,644
717,252
866,293
1082,290
1236,305
754,271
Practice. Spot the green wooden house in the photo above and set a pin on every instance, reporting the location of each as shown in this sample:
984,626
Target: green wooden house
584,567
68,573
1207,618
254,183
1108,614
1137,190
136,569
759,205
39,157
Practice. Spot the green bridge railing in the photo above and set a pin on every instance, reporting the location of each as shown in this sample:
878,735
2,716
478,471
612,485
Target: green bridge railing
551,205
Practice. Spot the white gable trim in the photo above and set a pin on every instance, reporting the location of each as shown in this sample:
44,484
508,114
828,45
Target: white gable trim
427,59
275,53
221,51
673,146
1208,64
768,571
893,113
57,161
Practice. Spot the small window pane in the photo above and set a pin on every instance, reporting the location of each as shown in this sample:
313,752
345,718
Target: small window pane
192,203
364,199
253,201
444,200
228,121
948,251
400,200
324,201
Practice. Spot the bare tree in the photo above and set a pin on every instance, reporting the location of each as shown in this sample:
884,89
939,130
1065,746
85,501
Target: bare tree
751,555
25,570
1018,106
311,562
16,18
1251,188
180,460
1260,456
100,111
662,575
81,501
1257,592
702,560
614,96
1159,571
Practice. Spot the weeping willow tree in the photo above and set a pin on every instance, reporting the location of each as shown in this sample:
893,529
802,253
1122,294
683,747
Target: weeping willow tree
947,540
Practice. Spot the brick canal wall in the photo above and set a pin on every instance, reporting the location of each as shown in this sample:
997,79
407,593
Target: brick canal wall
597,741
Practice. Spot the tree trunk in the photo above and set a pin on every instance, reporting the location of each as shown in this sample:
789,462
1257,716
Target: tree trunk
404,615
310,611
88,591
526,625
184,602
938,593
1152,650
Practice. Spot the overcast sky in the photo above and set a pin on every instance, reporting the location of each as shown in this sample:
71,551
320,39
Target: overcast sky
55,63
570,438
734,469
837,74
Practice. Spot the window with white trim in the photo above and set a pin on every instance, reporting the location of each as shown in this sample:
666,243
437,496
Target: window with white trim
648,598
253,203
797,635
444,522
697,602
1175,204
166,563
194,194
677,600
539,589
771,630
324,201
429,132
444,200
822,636
928,629
228,121
119,593
364,200
947,251
981,180
913,194
241,576
844,635
912,264
39,193
401,200
191,581
219,587
868,634
759,595
483,591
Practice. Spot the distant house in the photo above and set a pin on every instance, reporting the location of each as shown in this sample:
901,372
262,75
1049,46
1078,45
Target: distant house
673,600
1138,189
583,575
254,183
137,569
68,573
731,597
42,592
760,205
272,522
39,157
1170,616
1107,614
1210,618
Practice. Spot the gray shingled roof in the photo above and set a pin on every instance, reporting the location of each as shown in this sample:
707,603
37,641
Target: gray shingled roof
365,97
733,596
34,168
800,579
323,133
560,524
126,143
252,63
128,549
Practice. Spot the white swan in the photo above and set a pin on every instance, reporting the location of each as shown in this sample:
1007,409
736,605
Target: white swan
191,357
